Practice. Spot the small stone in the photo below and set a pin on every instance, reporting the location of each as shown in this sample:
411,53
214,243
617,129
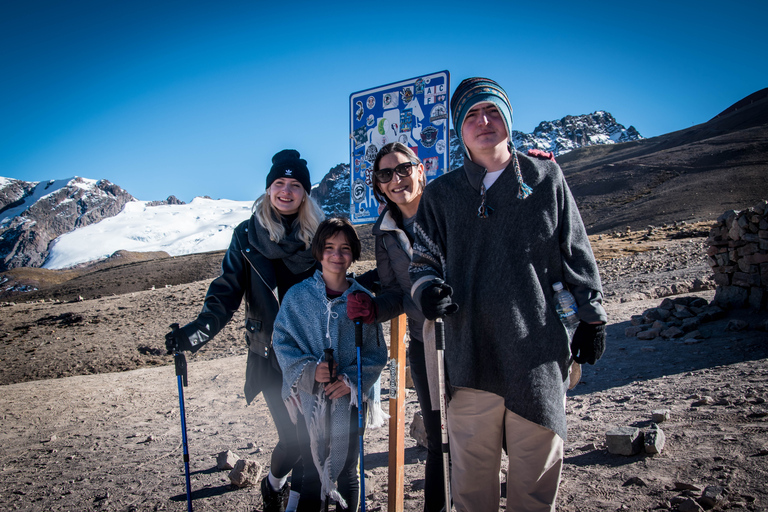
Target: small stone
635,480
712,495
650,334
691,324
624,441
226,460
689,505
705,400
736,325
660,415
672,332
683,486
693,335
654,440
246,473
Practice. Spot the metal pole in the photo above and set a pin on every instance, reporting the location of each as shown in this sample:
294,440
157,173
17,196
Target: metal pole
181,379
440,346
360,422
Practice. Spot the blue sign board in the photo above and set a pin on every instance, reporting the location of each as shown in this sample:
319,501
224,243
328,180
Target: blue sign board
414,112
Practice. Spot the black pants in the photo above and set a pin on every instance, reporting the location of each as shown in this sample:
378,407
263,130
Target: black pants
286,456
434,490
349,479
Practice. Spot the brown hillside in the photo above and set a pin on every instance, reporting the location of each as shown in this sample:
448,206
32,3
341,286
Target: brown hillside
689,175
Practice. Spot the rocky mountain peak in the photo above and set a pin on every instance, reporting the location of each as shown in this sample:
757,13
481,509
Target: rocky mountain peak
573,132
34,214
559,137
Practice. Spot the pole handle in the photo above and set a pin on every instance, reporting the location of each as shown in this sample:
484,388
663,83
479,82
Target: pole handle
180,361
328,358
439,334
358,332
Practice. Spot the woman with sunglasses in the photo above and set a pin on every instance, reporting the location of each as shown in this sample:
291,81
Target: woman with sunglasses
398,182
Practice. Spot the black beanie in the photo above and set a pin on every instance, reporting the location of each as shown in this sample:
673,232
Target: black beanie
289,164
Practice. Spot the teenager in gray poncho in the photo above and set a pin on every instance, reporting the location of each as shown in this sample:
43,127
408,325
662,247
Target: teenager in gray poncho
313,318
500,231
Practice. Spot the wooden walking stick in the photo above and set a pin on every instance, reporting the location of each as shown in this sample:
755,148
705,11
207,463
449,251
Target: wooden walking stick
396,415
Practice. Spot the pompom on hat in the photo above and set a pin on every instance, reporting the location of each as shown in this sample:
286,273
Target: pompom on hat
289,164
476,90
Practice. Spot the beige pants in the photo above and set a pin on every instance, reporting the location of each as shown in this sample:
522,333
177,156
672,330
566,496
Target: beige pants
476,422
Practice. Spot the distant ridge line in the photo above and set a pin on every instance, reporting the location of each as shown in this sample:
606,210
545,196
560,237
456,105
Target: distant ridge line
755,97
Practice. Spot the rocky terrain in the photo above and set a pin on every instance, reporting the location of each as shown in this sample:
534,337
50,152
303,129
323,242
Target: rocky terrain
89,411
89,414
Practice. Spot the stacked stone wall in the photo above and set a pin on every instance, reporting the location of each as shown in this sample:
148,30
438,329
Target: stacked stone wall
738,255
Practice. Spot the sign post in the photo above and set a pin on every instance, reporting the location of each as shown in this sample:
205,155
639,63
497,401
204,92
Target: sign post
413,112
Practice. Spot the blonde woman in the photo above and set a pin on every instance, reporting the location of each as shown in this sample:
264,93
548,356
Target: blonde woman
270,251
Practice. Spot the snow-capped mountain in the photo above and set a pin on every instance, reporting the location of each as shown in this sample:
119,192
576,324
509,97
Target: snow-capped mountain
32,214
558,137
573,132
54,224
203,225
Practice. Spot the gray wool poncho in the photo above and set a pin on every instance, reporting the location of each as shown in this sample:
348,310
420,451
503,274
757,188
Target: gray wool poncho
306,324
506,337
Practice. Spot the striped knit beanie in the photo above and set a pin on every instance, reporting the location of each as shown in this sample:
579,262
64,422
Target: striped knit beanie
476,90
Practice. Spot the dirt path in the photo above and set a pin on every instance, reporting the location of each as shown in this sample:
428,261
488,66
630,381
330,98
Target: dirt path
113,442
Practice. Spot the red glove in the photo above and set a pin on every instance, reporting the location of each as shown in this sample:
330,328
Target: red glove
360,305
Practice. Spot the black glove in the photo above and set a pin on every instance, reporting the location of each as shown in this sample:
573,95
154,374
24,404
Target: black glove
588,342
436,300
177,340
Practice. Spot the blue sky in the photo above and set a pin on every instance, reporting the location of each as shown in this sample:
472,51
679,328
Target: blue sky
193,98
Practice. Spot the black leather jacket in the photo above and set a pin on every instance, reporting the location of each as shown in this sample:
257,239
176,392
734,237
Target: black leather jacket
244,272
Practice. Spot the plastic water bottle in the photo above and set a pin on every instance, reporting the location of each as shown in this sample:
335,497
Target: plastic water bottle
566,308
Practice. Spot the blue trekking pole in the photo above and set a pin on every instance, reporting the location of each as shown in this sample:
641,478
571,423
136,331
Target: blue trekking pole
360,422
181,378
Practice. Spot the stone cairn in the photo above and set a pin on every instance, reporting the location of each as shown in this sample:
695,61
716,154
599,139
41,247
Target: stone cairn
738,255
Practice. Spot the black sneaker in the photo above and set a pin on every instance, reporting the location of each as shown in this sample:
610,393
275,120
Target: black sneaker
274,501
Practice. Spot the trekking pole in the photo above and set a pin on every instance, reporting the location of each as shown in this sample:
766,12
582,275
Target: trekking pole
440,348
360,422
181,378
328,358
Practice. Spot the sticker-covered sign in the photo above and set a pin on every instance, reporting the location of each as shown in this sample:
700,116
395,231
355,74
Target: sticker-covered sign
413,112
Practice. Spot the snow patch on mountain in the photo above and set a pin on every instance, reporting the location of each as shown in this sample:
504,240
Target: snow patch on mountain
200,226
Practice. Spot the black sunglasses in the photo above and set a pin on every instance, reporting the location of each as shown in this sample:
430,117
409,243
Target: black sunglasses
403,170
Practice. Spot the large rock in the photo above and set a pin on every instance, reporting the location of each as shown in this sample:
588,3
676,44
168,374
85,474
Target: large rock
246,473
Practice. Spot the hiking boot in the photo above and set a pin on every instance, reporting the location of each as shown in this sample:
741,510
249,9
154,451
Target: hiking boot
274,501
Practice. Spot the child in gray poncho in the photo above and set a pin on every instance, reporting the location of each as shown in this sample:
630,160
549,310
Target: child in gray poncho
321,399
